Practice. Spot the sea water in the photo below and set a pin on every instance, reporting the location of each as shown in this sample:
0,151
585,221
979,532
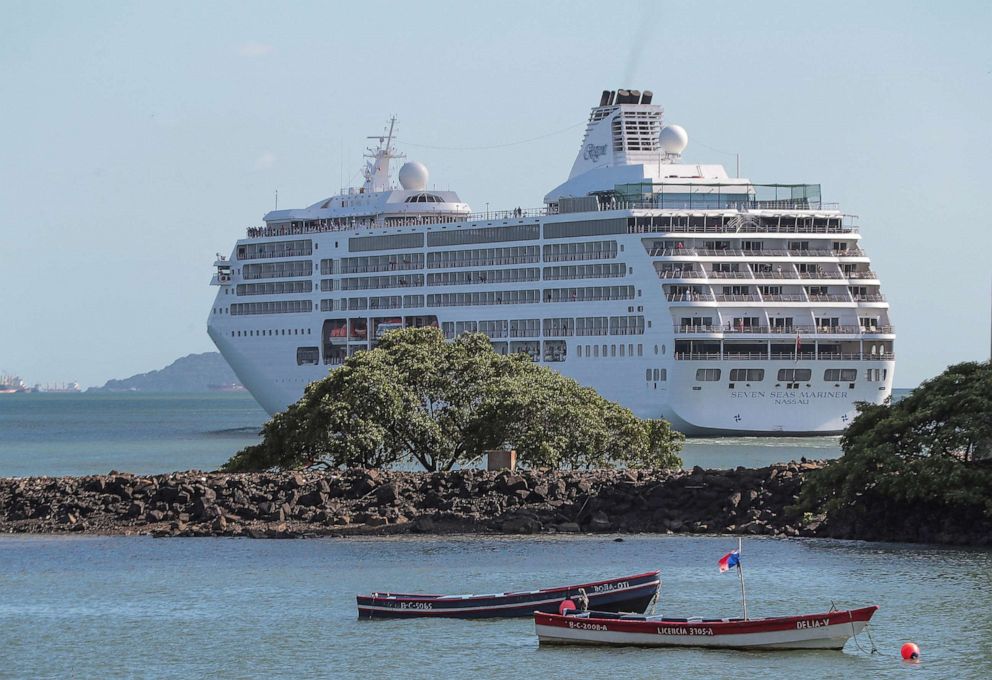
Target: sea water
146,433
115,607
107,607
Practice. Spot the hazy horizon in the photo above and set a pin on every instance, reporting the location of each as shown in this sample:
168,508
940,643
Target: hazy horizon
139,139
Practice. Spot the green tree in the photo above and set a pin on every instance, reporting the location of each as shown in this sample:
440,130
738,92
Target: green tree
444,403
928,451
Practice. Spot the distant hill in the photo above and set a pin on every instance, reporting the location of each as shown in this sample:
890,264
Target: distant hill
192,373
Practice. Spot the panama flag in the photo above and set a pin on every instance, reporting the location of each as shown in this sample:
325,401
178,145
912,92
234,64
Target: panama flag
731,559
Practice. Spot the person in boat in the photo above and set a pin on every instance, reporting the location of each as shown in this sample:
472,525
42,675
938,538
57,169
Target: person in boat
582,600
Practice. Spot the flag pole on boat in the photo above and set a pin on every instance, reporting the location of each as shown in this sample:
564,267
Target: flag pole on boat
740,573
733,559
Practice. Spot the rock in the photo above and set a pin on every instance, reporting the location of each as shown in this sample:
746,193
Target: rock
600,522
295,481
513,483
386,493
154,516
136,509
521,524
314,499
422,525
568,527
539,493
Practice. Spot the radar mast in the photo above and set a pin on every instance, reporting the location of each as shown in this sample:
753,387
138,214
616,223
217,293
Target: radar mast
377,167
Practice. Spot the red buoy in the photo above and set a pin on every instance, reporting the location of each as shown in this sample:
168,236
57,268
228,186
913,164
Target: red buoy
910,652
566,605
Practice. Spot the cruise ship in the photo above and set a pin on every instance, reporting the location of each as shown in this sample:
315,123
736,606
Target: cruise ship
724,306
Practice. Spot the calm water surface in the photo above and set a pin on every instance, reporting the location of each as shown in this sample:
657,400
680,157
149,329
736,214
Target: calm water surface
92,607
237,608
80,434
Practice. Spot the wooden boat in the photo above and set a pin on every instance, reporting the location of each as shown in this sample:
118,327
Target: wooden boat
809,631
628,593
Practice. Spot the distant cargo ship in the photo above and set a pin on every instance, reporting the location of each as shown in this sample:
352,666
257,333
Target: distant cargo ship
60,388
228,387
11,384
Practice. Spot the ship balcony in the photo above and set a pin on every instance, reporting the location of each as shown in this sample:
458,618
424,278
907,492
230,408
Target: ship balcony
729,329
784,356
724,253
689,273
681,274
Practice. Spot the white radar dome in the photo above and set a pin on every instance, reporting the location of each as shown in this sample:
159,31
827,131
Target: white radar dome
674,139
413,176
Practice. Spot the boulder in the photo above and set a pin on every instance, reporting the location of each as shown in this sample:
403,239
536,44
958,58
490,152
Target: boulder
387,493
600,522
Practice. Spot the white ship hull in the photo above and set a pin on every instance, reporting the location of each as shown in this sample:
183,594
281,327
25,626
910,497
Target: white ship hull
266,364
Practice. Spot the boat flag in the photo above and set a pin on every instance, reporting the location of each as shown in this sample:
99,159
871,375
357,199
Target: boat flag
731,559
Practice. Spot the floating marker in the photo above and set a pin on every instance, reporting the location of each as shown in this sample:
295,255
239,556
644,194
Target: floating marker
910,652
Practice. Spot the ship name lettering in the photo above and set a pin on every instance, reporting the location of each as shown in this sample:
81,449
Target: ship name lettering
684,630
416,605
582,625
812,623
610,586
594,151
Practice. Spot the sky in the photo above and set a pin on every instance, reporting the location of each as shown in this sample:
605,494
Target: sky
139,139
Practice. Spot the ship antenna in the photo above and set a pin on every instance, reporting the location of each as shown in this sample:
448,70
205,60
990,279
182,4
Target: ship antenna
377,168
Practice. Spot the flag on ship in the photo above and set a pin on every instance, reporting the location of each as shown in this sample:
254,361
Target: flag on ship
731,559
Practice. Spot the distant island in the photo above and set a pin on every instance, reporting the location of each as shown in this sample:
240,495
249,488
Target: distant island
192,373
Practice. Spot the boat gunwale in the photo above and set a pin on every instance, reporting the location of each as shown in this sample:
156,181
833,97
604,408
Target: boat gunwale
377,597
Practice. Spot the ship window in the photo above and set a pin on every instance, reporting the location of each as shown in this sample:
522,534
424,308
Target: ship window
307,356
794,374
707,374
747,374
840,375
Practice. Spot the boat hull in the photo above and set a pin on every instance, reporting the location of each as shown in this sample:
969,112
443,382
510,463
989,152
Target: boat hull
810,631
629,593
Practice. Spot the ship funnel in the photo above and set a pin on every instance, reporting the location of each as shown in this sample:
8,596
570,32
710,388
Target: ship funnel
604,100
646,97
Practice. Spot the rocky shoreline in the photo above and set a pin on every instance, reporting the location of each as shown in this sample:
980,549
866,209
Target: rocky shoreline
374,502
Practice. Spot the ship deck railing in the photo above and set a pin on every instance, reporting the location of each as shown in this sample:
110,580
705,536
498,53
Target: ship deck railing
784,356
831,298
732,252
745,275
785,330
743,223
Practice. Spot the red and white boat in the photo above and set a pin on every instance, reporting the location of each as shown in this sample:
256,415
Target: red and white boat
809,631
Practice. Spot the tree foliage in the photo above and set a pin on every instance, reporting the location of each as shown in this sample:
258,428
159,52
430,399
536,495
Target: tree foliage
443,404
932,449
